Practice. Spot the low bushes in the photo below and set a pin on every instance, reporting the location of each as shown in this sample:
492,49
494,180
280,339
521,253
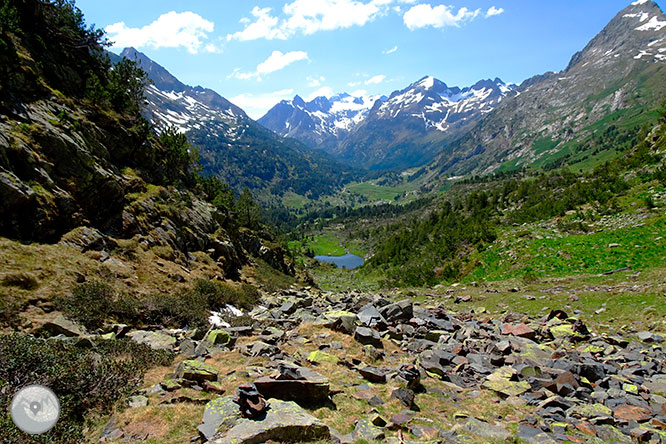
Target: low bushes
86,381
96,303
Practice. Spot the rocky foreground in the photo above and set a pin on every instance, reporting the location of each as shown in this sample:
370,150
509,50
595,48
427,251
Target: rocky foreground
352,367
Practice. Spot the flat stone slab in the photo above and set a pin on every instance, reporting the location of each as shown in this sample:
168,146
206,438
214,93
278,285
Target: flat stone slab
283,422
486,430
154,339
196,371
313,388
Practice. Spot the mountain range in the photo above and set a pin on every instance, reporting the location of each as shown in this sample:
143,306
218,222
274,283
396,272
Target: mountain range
493,126
231,145
614,84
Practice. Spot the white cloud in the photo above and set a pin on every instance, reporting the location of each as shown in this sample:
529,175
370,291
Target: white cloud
390,51
264,27
353,84
278,61
310,16
494,11
424,15
275,62
375,80
325,91
256,105
170,30
315,82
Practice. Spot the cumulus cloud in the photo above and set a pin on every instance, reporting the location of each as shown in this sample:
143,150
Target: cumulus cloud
308,17
375,80
424,15
256,105
494,11
275,62
390,51
170,30
264,26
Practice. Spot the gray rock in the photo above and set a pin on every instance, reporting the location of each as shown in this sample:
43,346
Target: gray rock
406,397
154,339
138,401
370,317
366,430
367,336
63,326
371,352
486,430
284,421
298,384
399,311
373,374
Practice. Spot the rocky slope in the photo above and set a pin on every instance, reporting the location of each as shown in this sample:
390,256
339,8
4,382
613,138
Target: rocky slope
232,146
320,123
617,79
352,367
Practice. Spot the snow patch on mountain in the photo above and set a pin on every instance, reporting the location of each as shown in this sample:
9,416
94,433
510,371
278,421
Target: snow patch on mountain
441,106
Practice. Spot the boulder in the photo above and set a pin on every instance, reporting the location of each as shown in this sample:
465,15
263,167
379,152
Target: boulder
319,357
219,337
370,317
366,430
373,374
196,371
520,330
63,326
399,311
298,384
486,430
154,339
367,336
283,422
87,239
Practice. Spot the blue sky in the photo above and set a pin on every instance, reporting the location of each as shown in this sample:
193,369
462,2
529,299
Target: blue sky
258,52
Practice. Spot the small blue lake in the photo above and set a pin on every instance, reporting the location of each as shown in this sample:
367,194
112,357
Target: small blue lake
348,261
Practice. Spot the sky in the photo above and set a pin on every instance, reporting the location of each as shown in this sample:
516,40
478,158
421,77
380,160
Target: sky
258,52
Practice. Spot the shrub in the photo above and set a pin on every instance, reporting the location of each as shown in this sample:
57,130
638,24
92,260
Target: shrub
85,381
9,312
90,304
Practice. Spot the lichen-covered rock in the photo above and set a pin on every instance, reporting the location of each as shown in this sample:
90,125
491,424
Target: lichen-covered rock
367,431
198,371
319,357
219,337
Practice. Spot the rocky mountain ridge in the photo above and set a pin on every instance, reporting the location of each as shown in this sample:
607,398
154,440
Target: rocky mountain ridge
366,131
321,122
616,80
231,145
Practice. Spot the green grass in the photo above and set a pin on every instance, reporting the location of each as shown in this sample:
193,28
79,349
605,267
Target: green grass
322,245
294,201
640,247
376,192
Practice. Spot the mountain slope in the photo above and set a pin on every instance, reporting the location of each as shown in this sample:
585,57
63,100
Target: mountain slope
405,130
232,146
613,85
320,123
